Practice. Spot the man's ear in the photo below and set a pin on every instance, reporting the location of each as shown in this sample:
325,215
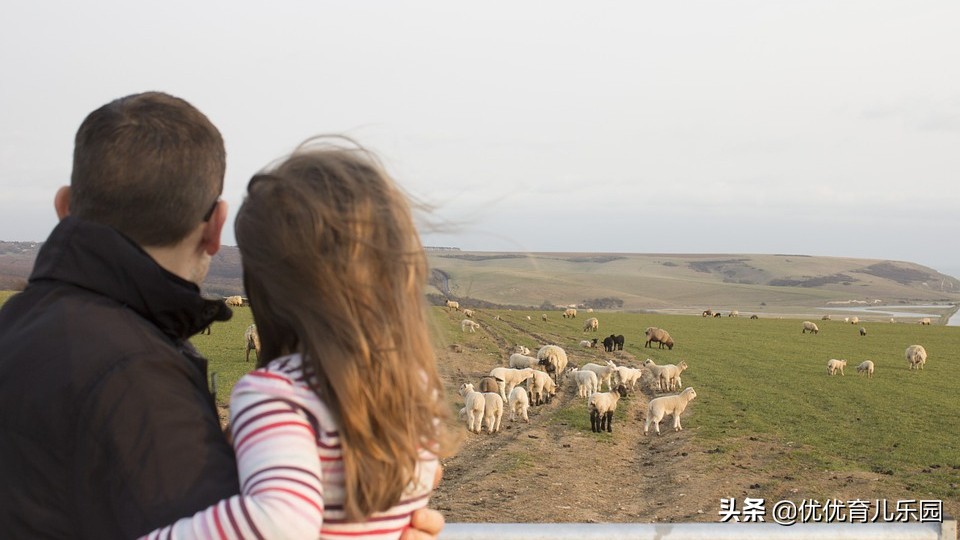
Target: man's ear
61,202
213,229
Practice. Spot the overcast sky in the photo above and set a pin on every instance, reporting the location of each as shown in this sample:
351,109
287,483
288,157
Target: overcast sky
806,127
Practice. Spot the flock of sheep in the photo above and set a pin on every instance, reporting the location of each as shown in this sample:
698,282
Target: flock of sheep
534,380
916,355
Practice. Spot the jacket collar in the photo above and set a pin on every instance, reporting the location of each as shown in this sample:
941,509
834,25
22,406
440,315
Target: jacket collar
101,259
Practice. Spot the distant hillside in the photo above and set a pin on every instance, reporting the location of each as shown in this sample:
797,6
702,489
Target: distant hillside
633,282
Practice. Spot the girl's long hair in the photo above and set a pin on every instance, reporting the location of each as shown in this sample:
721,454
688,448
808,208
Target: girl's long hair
335,271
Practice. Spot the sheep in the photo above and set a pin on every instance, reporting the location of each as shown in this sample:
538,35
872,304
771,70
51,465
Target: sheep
854,320
618,340
601,406
251,338
541,387
707,313
716,315
608,343
586,344
733,313
825,318
661,406
628,376
519,404
453,305
569,313
474,405
846,319
489,384
925,321
236,301
613,343
554,359
604,373
834,365
892,320
492,411
865,367
656,371
520,361
467,325
522,350
863,331
529,318
809,327
507,378
591,325
670,375
658,335
543,317
754,316
586,380
468,313
916,355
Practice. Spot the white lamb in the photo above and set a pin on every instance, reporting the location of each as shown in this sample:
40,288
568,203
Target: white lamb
865,367
467,325
519,404
520,361
493,411
916,355
670,376
662,382
664,405
628,376
468,312
507,378
604,373
586,344
591,325
453,305
474,405
834,365
586,380
601,406
541,387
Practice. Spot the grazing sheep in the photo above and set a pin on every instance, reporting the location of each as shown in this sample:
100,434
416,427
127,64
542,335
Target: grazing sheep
854,320
662,406
604,373
519,404
925,321
554,359
543,316
569,313
809,327
586,381
474,405
236,301
591,325
586,344
917,356
541,387
733,313
658,335
628,376
492,411
825,318
846,319
754,316
251,338
467,325
520,361
716,315
507,378
892,320
522,350
834,365
863,331
707,313
453,305
601,406
489,384
865,367
468,313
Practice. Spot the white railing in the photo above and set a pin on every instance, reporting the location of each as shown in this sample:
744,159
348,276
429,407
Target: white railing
947,530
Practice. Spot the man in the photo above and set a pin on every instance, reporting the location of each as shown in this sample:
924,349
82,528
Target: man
107,426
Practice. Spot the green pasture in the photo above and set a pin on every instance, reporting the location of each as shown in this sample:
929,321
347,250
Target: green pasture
765,380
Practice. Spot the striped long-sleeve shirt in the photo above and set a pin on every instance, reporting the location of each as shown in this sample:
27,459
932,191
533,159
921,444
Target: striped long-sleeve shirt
291,469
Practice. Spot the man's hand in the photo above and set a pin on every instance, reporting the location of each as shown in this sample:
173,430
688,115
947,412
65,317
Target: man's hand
425,523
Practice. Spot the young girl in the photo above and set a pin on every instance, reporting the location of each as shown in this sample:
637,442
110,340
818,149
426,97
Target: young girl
338,435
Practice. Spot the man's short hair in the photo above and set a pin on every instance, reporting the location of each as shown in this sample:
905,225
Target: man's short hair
149,165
